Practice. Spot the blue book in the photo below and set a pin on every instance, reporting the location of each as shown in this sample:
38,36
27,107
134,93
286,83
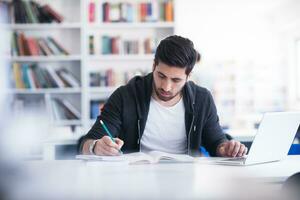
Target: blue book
95,110
149,12
130,13
25,75
106,45
4,16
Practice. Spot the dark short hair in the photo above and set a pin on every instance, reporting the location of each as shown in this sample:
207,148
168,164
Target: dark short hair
177,51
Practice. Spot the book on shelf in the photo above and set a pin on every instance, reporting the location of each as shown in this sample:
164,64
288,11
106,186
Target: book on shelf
92,10
64,110
151,157
153,11
32,12
117,45
32,46
68,78
91,45
58,46
52,13
169,11
112,78
17,76
60,83
5,8
27,76
95,108
149,46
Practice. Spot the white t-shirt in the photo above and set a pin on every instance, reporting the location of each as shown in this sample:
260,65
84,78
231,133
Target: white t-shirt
165,129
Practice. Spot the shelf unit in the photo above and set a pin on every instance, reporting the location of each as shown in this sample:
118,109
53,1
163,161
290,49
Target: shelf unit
66,33
119,62
74,33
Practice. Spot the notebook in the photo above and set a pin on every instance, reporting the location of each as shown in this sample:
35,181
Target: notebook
273,140
141,158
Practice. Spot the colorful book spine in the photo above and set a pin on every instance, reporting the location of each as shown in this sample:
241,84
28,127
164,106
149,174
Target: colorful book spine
111,78
33,12
54,15
91,45
96,106
92,10
30,46
137,11
26,76
169,11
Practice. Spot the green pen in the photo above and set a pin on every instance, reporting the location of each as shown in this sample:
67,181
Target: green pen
109,134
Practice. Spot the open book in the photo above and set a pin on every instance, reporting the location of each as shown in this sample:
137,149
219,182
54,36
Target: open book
140,157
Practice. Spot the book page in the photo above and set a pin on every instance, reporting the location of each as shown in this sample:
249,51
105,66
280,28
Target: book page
163,156
101,158
130,158
140,157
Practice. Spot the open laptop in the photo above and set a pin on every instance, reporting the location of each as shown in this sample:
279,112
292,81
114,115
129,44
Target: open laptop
273,140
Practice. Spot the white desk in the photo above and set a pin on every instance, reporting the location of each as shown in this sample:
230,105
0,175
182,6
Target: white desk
74,179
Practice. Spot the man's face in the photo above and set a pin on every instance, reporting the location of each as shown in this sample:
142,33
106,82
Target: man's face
168,81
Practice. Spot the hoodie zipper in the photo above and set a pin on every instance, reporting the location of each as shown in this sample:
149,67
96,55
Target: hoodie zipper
189,136
139,132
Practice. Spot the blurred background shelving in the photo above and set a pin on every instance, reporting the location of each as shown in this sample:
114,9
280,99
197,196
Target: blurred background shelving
250,56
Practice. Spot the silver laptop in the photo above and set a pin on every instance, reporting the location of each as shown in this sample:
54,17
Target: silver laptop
273,140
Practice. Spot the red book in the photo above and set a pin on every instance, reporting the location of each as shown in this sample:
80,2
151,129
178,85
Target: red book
114,45
92,12
32,47
57,17
143,8
105,10
21,44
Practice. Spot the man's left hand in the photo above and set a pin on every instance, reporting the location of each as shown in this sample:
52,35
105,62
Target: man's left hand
231,148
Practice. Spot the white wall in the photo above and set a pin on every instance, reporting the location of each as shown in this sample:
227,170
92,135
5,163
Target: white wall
229,29
243,39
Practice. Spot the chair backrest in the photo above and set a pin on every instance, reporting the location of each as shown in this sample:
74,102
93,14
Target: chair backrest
294,150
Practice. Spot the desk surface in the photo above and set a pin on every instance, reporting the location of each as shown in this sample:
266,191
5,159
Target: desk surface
74,179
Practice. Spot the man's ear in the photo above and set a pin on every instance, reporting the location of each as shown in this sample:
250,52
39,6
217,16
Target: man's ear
188,76
153,66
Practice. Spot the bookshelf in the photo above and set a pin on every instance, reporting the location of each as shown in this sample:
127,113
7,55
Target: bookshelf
65,33
140,36
136,30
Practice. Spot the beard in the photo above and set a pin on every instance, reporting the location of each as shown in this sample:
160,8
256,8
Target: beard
163,95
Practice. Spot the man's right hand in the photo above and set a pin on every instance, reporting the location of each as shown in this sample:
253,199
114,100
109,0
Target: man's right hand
106,147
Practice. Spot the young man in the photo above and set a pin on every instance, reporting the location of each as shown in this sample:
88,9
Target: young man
162,111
